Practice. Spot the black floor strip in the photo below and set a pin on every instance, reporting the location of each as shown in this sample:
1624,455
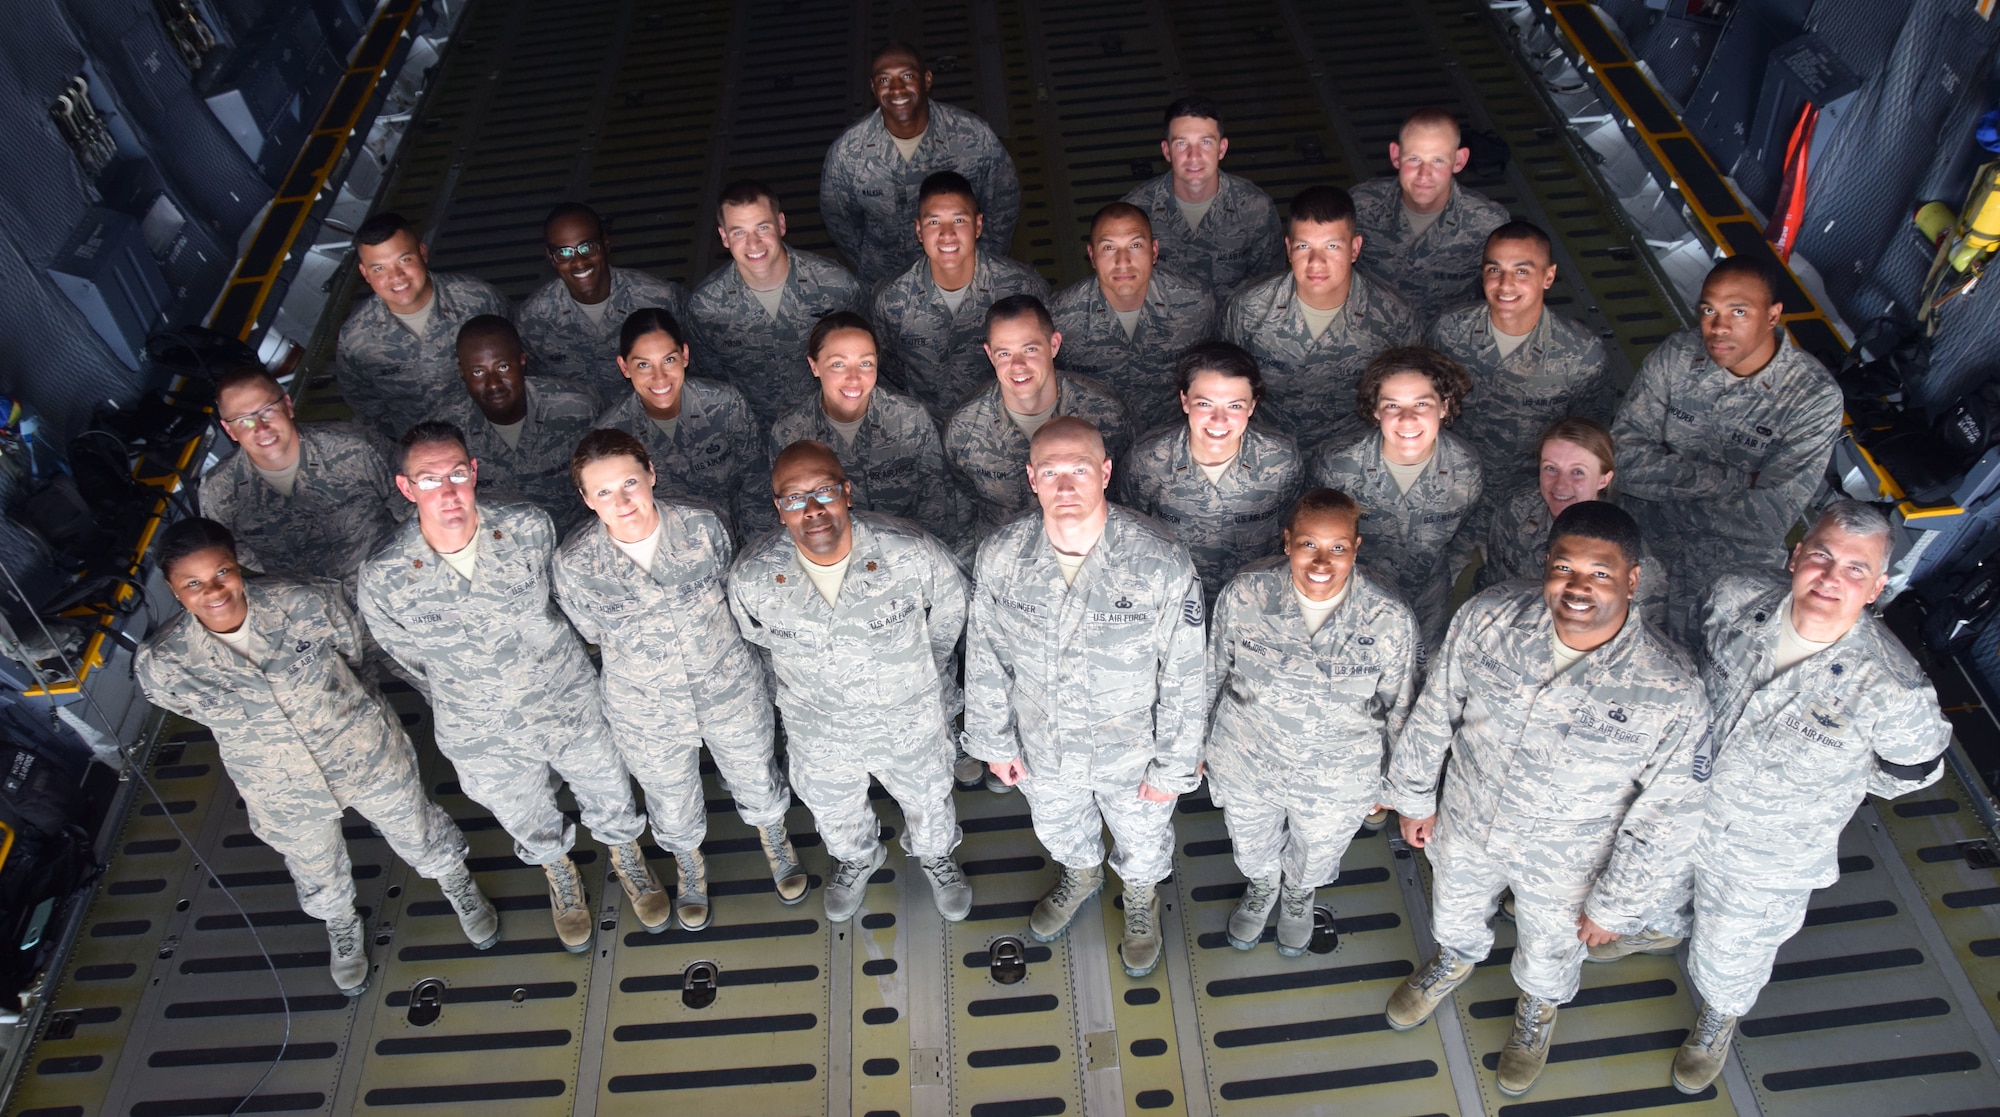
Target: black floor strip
258,1053
1843,1017
1284,1085
1605,1048
1309,979
1622,1102
1846,1074
477,1041
1601,995
711,1079
1301,1030
1845,964
739,1026
467,1091
766,975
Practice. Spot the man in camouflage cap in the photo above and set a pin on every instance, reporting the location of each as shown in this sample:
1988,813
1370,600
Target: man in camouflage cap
1817,705
861,614
1212,226
751,317
397,354
570,325
521,429
1724,437
271,667
1578,741
1530,366
304,499
930,318
1425,232
986,441
868,187
1085,681
1128,323
1314,328
460,596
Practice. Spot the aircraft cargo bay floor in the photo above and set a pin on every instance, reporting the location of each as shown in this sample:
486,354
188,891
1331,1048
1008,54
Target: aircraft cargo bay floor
1884,1005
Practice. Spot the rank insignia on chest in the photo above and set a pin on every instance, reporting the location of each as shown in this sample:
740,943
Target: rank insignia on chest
781,579
1836,669
870,567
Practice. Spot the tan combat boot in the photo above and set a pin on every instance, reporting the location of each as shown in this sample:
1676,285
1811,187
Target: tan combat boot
649,901
849,885
785,868
1645,942
569,905
347,954
1527,1050
1700,1059
1247,919
1139,951
1420,993
476,916
691,899
1295,920
1052,916
949,889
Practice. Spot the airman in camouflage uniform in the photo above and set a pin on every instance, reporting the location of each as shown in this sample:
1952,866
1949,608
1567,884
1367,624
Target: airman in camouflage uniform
302,738
537,469
1089,695
736,337
713,449
1235,236
989,455
387,372
1558,369
1173,313
1517,546
677,675
866,680
515,698
1301,722
1418,541
338,510
868,189
1717,466
933,350
1310,379
1434,268
1224,524
1575,787
570,325
1798,742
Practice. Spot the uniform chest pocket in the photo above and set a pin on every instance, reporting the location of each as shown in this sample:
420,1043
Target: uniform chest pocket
1260,669
1118,646
1351,679
1816,742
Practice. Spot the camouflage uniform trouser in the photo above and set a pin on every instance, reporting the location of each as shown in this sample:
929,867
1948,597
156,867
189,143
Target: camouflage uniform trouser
516,778
669,772
1549,893
1738,929
417,830
1278,823
832,781
1070,816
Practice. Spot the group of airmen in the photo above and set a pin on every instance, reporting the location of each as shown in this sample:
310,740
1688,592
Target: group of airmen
1648,724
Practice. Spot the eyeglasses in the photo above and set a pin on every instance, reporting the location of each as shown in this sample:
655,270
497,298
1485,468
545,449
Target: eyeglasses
792,502
568,252
257,418
434,483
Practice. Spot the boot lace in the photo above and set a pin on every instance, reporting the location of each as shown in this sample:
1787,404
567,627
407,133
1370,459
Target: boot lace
461,893
1257,895
567,888
1138,916
944,872
346,938
1530,1027
631,864
1710,1029
776,842
1440,968
1066,890
849,874
1297,900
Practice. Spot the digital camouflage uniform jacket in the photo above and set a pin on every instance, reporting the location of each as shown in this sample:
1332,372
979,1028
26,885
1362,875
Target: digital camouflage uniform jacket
1438,270
936,353
390,376
1178,312
1226,523
1309,381
564,342
738,341
1240,238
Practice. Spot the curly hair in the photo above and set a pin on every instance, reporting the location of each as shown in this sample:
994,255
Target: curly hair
1449,377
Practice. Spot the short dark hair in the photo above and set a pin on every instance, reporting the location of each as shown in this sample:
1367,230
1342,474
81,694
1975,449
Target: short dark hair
1114,210
834,323
898,46
190,536
241,373
1748,267
1322,205
946,182
1430,116
1019,306
564,210
744,192
1603,521
1449,377
1192,106
1218,357
430,432
602,443
487,327
648,320
382,226
1518,229
1324,500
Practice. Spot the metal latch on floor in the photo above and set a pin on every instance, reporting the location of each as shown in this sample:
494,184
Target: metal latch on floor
426,1003
698,984
1009,960
1326,934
